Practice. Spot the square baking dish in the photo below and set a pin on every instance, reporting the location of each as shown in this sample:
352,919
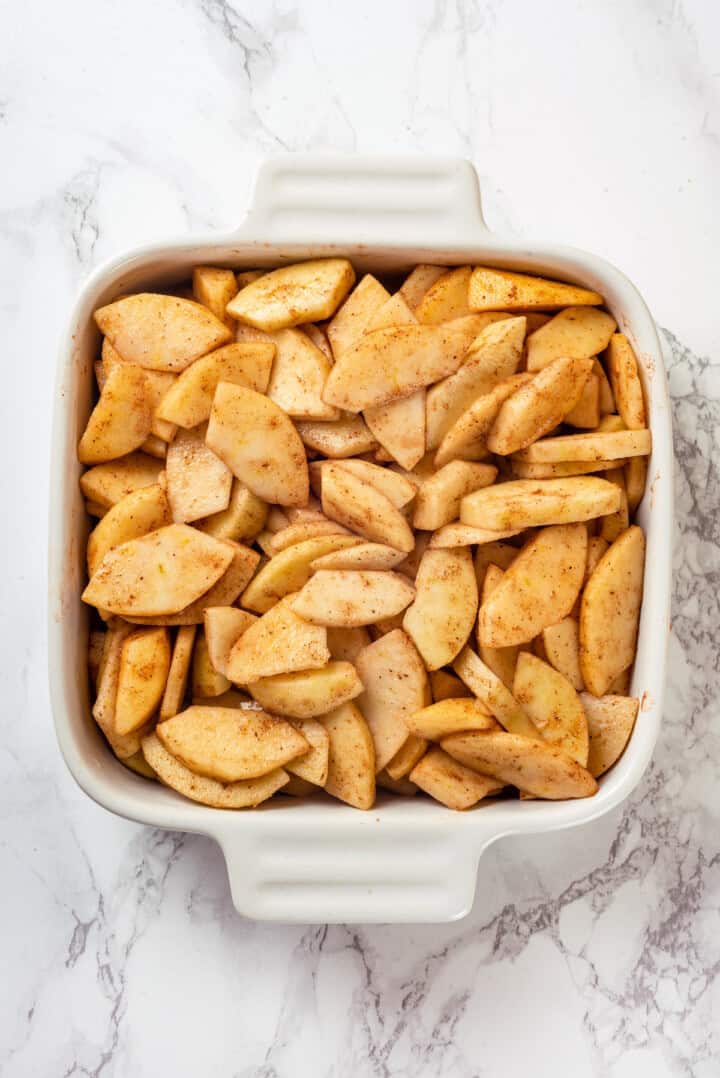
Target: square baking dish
408,860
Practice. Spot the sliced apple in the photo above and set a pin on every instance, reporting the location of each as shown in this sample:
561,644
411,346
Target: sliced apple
144,667
522,604
610,612
287,571
298,377
530,503
346,644
229,745
610,722
303,292
446,298
351,758
418,281
539,405
533,766
599,445
396,487
493,289
159,573
106,484
373,556
578,332
363,508
312,766
206,681
438,499
502,661
259,444
214,288
232,795
224,625
349,599
188,401
441,618
396,686
450,782
277,643
491,692
174,694
136,514
492,357
391,363
457,534
350,321
449,716
224,591
553,705
626,384
162,333
198,481
346,437
244,517
467,438
562,649
306,694
121,420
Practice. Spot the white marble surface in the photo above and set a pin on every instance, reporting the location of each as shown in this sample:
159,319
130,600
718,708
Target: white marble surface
594,953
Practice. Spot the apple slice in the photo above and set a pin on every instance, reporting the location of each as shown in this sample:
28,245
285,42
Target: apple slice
259,444
391,363
446,298
121,420
539,769
396,686
138,513
348,599
578,332
188,401
441,618
539,405
162,333
227,744
287,571
553,705
449,716
438,499
198,481
450,782
610,722
522,604
232,795
298,377
531,503
610,612
350,321
493,289
303,292
144,668
277,643
159,573
305,694
351,757
493,357
363,508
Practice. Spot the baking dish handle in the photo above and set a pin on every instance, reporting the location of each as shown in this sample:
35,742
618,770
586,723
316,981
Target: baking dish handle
327,199
312,874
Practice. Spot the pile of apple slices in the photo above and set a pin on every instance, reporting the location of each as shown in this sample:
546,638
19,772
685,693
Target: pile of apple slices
350,538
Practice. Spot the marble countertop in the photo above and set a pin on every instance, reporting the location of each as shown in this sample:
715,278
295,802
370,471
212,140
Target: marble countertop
593,953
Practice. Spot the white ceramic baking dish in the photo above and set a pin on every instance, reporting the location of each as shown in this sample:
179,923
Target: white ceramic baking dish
408,860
